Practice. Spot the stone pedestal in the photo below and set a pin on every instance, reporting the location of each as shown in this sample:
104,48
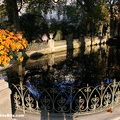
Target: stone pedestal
51,42
5,101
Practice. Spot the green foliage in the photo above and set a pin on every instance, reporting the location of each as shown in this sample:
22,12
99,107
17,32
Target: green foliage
33,26
8,26
39,6
93,12
83,13
44,28
58,35
2,11
62,28
27,22
73,14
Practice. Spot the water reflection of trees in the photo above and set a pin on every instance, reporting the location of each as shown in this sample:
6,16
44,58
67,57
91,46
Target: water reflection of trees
81,70
65,80
114,63
84,69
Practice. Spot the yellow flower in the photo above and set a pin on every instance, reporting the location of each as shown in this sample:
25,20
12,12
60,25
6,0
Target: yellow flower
9,41
21,59
11,57
1,47
11,33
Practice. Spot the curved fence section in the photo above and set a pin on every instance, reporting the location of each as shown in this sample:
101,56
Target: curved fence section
69,100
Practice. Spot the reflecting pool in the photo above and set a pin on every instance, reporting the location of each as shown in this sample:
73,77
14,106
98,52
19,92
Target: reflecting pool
74,81
75,68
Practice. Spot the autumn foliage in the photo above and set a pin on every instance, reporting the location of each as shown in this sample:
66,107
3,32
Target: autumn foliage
10,43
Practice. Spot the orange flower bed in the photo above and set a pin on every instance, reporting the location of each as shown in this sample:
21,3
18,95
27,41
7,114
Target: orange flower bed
9,44
20,32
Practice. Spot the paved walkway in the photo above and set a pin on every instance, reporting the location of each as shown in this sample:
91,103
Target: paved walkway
115,115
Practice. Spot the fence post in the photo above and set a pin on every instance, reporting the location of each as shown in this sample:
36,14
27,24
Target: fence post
5,101
87,90
113,92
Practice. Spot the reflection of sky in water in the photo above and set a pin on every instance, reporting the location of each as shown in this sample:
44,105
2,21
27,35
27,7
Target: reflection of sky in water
33,89
109,81
82,70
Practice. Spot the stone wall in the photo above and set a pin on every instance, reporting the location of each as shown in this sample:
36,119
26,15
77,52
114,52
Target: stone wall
57,46
5,101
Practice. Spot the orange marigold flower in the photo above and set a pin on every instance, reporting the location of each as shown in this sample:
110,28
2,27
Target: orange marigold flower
11,57
10,42
1,47
11,33
21,59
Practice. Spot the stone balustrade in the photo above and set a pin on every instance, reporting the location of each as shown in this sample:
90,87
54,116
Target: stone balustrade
70,43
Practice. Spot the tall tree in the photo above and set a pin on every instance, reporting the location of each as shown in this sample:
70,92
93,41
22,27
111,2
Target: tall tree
92,13
111,5
12,9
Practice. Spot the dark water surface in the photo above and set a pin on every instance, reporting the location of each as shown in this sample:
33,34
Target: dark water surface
59,82
75,68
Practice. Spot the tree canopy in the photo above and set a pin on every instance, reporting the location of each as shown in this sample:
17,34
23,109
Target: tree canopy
88,12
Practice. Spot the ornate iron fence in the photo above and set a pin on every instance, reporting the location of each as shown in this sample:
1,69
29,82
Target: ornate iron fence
69,100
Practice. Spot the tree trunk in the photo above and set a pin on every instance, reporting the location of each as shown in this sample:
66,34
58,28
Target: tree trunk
12,10
111,22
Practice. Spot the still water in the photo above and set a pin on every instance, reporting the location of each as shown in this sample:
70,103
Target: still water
59,82
75,68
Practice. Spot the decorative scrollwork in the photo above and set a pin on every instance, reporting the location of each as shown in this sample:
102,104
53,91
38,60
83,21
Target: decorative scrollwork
117,96
61,102
114,84
107,99
87,89
29,101
94,102
73,100
21,87
81,102
17,100
101,87
45,103
53,90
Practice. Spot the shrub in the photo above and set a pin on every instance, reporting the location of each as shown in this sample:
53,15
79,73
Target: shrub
58,35
34,26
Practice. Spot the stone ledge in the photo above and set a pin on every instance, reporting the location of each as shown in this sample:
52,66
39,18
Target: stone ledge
4,94
5,100
3,84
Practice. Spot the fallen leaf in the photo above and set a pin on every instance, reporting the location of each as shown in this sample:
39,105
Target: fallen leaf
109,110
74,66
